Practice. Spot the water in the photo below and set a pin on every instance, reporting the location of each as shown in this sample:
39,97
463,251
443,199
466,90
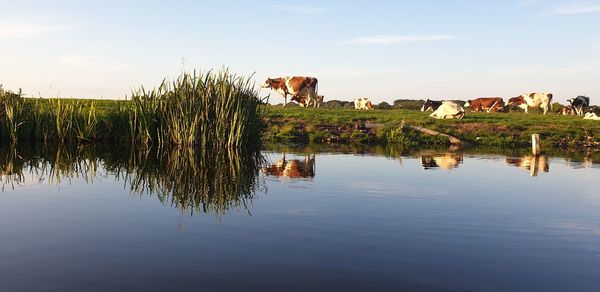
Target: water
90,219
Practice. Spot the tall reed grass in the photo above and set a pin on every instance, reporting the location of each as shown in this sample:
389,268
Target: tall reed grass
213,110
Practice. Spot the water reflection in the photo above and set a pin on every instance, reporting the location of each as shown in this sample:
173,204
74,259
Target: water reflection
192,181
533,163
445,161
292,168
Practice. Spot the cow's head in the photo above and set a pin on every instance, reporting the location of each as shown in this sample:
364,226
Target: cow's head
273,83
519,100
427,105
467,104
571,101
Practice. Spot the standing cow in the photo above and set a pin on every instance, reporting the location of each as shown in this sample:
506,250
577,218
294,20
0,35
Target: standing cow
302,89
487,104
363,103
579,104
524,101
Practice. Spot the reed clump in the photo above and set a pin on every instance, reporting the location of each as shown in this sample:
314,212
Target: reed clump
213,110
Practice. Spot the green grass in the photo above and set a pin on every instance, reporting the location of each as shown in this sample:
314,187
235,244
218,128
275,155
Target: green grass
489,129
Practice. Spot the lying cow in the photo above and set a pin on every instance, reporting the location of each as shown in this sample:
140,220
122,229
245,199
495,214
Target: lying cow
363,103
487,104
579,104
593,113
525,101
448,110
566,110
302,89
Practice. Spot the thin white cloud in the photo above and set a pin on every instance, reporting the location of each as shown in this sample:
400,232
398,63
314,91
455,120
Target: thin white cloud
301,9
392,39
16,30
578,9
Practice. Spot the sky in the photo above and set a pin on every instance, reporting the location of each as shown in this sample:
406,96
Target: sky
385,50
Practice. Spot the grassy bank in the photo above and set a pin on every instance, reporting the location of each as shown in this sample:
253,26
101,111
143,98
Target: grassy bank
389,127
219,111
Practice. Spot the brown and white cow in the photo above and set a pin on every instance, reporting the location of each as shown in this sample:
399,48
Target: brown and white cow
566,110
363,103
302,89
524,101
487,104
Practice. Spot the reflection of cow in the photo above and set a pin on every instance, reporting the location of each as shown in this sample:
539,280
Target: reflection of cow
447,161
531,163
293,168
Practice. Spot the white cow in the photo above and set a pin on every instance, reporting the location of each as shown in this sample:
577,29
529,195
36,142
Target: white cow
448,110
363,103
524,101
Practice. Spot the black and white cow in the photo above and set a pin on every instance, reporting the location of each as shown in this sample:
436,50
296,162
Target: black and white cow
593,113
579,104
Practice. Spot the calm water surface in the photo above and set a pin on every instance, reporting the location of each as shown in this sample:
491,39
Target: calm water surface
85,220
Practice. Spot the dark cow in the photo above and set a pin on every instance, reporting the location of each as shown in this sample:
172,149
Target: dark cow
431,105
488,104
579,104
302,89
524,101
592,113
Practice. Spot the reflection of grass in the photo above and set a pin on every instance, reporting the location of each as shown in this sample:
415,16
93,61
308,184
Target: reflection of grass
184,177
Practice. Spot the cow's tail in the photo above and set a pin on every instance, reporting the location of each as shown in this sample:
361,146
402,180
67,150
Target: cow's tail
550,99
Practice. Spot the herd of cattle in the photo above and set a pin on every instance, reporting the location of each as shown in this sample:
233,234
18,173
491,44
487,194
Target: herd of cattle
304,91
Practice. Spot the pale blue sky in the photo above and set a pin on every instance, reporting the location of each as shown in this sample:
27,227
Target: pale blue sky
381,49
